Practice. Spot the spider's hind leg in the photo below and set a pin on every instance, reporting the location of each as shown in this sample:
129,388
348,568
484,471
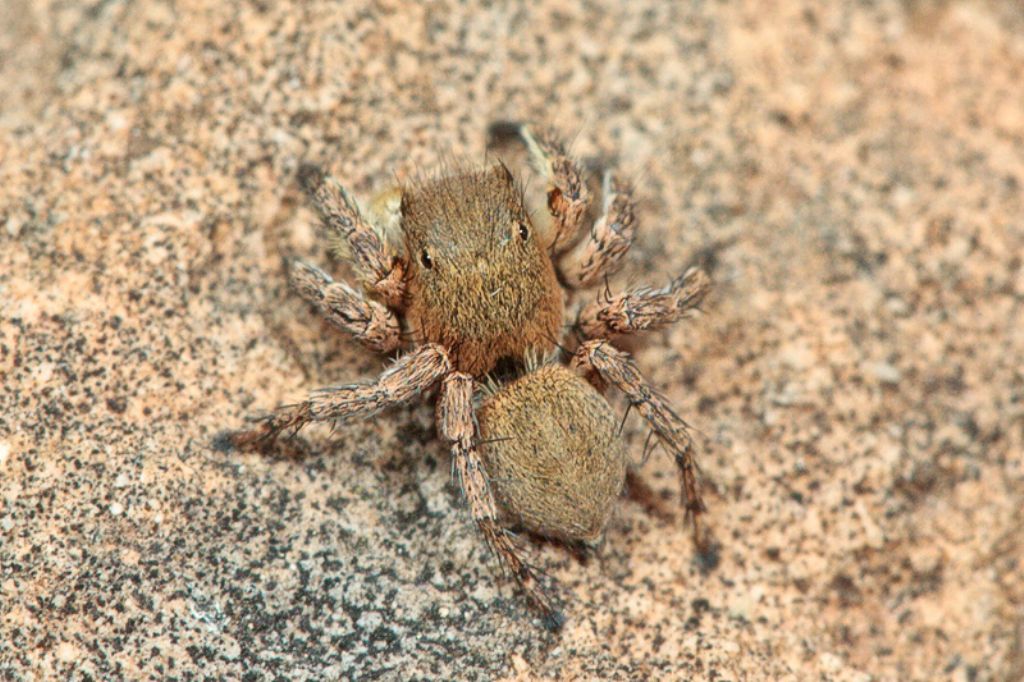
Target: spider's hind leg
406,379
618,369
456,424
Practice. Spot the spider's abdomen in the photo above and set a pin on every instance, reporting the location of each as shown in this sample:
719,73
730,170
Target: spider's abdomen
553,455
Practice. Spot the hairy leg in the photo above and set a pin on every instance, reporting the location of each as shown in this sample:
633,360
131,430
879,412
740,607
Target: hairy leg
371,323
644,309
456,424
404,380
568,196
609,239
382,270
616,368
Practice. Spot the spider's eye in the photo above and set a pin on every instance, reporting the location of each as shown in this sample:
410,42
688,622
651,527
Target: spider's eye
425,259
524,231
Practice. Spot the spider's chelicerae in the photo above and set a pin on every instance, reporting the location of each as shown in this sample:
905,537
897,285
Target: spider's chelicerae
455,273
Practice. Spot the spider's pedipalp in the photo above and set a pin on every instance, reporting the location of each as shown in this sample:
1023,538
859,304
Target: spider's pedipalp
382,270
600,253
371,323
404,380
618,369
644,309
456,425
568,196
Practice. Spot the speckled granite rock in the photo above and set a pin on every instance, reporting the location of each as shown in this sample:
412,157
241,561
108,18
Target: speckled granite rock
852,175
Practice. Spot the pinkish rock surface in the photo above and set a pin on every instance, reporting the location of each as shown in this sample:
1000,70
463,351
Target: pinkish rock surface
852,175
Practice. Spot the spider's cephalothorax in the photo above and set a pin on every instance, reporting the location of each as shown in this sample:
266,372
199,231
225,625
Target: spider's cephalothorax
457,263
481,282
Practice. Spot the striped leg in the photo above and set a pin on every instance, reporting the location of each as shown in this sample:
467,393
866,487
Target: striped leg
618,369
601,252
406,379
354,236
455,423
371,323
644,309
568,196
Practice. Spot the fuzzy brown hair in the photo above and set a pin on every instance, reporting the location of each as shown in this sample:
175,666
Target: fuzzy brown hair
553,454
480,280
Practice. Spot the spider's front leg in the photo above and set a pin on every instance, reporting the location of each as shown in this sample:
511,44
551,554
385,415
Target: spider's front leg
383,271
618,369
568,196
456,424
371,323
406,379
610,237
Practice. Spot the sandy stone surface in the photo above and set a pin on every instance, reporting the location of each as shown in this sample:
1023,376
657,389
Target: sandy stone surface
851,176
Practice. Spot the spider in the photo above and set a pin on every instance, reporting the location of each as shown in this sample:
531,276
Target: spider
455,273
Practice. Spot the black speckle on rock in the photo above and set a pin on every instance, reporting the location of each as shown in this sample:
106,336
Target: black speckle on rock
846,590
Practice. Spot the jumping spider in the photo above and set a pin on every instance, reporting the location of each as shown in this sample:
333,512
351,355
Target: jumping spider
455,265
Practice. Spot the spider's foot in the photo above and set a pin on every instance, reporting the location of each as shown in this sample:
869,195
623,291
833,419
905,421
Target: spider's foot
709,557
541,598
266,431
223,442
553,621
247,439
257,438
709,550
694,511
